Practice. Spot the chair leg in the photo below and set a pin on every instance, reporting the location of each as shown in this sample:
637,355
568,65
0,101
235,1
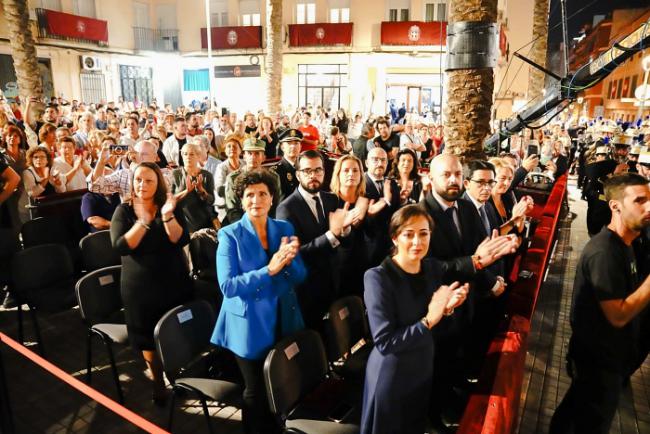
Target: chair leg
116,377
171,410
207,414
21,330
37,331
89,357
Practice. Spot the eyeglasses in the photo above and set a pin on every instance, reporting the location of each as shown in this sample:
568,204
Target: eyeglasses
309,172
490,184
378,159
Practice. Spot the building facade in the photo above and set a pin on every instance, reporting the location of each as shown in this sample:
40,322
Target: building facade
358,55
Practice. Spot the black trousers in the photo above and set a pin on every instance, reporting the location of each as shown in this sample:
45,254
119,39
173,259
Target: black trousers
590,403
256,415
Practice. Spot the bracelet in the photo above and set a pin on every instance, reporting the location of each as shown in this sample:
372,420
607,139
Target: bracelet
476,261
448,312
169,219
143,224
425,321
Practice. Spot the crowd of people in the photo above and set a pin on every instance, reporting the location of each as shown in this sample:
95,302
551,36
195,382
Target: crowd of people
427,242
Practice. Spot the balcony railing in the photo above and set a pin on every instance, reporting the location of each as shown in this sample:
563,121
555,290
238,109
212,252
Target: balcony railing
69,27
155,39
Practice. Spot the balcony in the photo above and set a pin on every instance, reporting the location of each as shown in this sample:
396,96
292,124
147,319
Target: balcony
414,33
163,40
69,27
232,37
320,34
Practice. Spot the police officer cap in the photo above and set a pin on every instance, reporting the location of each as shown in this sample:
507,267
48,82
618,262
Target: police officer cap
644,157
291,135
636,150
253,144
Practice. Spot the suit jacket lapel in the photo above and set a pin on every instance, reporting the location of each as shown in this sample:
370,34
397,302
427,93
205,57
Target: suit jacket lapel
443,221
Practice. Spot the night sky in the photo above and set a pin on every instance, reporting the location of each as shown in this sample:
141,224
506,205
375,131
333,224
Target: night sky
576,23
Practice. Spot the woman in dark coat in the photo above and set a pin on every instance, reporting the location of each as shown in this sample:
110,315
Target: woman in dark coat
403,305
149,232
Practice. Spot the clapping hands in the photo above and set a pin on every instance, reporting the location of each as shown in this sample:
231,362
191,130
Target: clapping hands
289,249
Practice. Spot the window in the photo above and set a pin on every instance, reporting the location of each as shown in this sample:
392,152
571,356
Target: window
305,13
339,11
633,86
93,87
619,88
249,11
53,5
435,11
322,85
218,13
195,80
84,8
398,10
137,82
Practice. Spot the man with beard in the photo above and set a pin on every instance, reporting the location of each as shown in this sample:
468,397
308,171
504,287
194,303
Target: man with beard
174,143
249,120
606,317
457,240
319,225
193,125
385,200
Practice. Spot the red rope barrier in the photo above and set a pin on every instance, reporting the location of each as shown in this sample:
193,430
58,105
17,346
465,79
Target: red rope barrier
93,394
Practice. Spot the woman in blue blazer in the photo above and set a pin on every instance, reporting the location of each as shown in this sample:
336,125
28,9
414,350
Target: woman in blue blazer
258,266
404,301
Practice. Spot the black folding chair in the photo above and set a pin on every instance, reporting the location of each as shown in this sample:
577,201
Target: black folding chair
44,280
203,251
8,247
100,305
349,342
182,339
295,368
52,230
97,251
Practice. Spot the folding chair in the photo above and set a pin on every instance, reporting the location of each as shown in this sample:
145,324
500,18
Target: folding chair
97,251
100,306
182,338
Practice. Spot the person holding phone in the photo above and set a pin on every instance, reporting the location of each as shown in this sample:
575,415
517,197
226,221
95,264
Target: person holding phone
405,300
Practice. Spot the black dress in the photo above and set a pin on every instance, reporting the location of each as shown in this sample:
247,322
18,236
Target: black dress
352,258
155,275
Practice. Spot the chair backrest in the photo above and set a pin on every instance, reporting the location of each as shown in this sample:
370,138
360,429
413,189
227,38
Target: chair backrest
346,326
182,335
294,367
45,230
8,247
203,251
97,251
43,277
98,294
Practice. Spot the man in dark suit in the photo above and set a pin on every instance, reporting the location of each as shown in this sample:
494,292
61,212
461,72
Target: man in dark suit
286,168
319,226
385,200
458,241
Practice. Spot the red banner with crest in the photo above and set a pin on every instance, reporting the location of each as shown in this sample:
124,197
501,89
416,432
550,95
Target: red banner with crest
413,33
320,34
233,37
75,26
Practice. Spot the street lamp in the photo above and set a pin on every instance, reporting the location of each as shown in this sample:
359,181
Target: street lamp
645,63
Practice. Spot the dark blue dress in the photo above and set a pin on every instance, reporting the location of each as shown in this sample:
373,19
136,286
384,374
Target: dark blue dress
400,368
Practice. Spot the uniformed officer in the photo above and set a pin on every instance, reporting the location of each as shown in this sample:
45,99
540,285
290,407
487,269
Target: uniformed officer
598,212
286,168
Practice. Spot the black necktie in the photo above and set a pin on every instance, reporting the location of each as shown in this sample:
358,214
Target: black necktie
319,210
450,213
484,219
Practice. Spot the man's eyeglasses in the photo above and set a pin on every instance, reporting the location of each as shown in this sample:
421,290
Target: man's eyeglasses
378,159
491,183
309,172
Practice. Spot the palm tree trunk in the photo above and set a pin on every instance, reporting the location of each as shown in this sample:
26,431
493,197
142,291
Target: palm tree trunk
273,59
539,49
23,49
469,91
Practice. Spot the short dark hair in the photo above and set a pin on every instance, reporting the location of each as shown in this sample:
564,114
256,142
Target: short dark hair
615,185
254,177
160,196
110,139
178,119
307,113
310,154
382,120
403,215
334,131
474,165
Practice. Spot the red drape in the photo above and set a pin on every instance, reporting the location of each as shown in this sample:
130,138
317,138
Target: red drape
233,37
75,26
413,33
305,35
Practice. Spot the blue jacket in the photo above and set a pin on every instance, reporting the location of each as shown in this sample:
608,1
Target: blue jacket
247,322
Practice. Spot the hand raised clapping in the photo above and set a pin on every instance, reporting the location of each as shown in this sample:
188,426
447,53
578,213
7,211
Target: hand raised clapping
289,248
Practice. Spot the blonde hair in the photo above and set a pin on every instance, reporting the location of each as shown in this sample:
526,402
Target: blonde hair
501,163
335,184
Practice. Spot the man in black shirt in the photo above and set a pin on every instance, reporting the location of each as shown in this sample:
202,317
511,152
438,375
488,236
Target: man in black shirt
249,119
606,314
388,139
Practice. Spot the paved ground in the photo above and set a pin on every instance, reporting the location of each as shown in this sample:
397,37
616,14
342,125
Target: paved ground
42,404
545,379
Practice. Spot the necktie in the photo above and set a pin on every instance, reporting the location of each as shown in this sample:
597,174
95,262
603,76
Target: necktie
450,213
380,187
319,210
484,219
